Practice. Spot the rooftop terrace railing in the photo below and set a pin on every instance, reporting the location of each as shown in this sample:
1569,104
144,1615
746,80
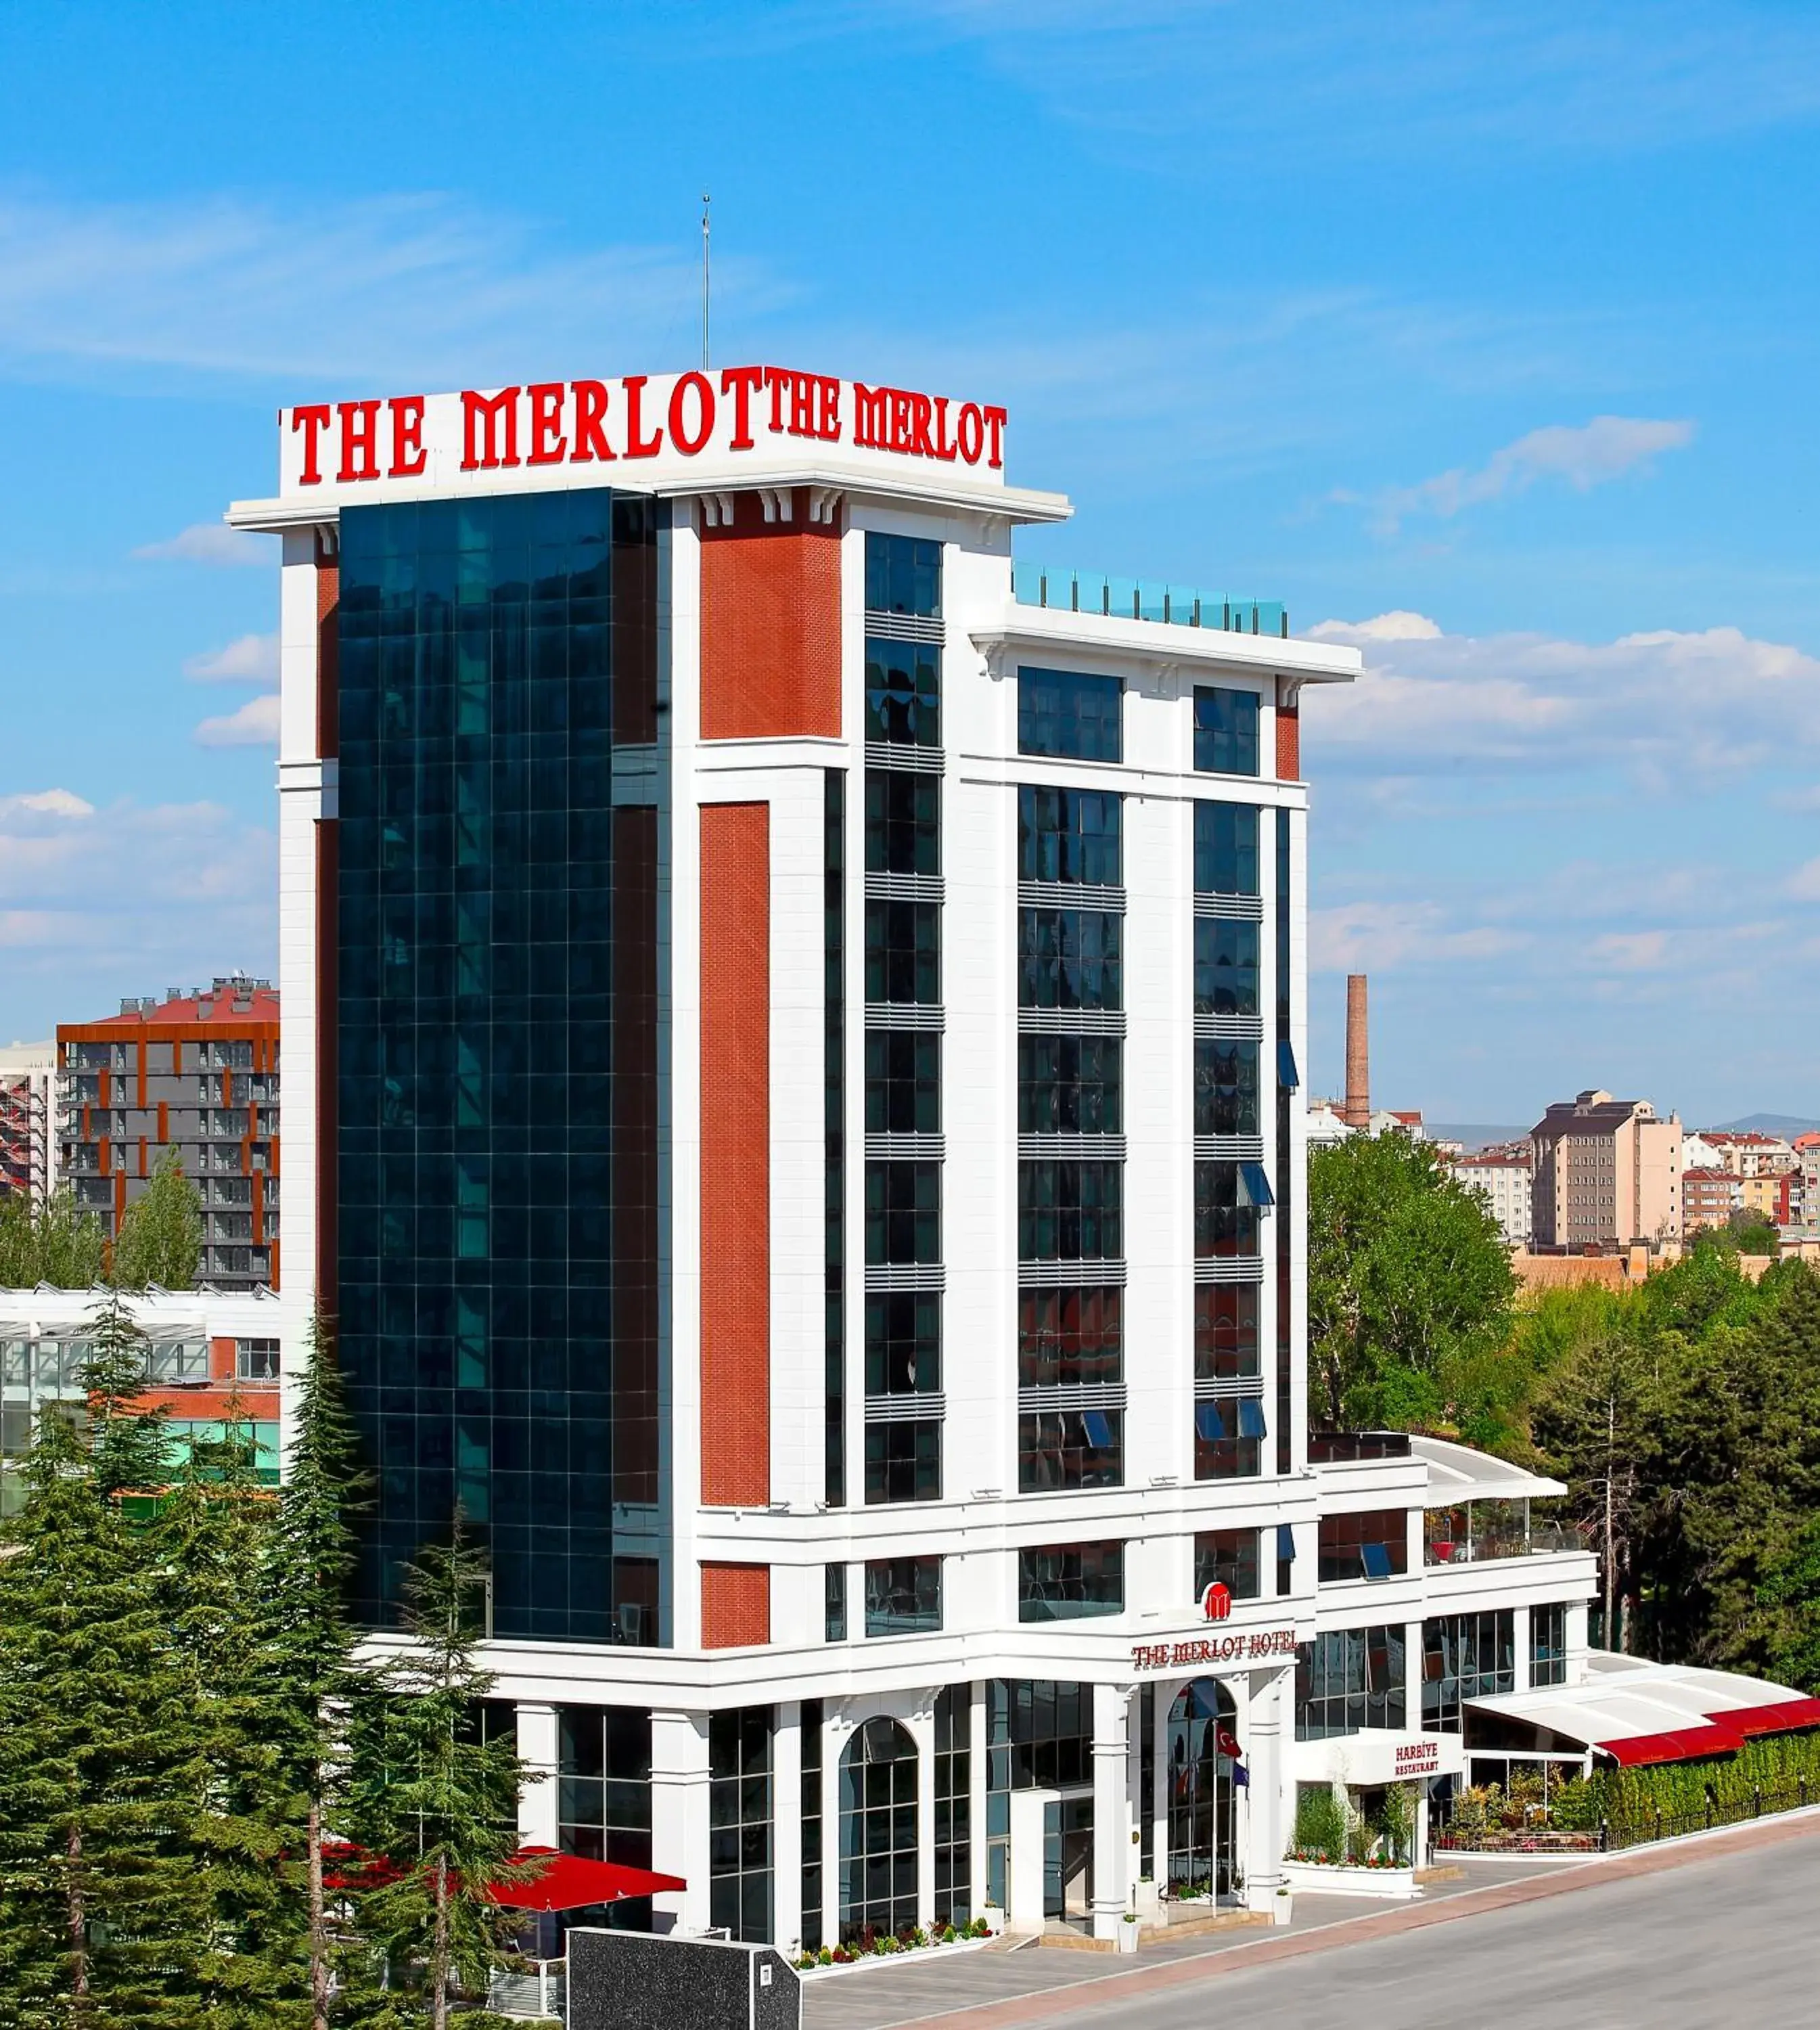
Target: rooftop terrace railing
1142,598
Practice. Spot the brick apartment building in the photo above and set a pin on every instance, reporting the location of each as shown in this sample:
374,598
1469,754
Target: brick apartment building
1709,1197
196,1073
27,1147
1608,1175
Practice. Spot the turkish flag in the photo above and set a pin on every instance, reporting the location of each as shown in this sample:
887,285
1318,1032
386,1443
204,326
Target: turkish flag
1227,1742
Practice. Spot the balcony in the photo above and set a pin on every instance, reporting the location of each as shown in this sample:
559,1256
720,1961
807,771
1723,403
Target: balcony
1481,1530
1143,599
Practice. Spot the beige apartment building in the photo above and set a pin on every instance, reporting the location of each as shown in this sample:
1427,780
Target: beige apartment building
1608,1174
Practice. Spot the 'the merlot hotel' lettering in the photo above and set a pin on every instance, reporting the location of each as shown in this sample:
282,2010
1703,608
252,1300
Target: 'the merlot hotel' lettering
598,422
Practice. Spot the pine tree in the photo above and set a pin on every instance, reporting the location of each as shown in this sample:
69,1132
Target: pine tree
428,1794
100,1908
126,1442
214,1540
161,1233
311,1638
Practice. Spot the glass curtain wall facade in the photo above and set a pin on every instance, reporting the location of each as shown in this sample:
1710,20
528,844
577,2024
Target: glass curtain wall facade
1232,1192
904,1019
499,977
1071,1380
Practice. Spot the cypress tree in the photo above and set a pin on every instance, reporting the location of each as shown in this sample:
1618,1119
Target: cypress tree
311,1638
431,1798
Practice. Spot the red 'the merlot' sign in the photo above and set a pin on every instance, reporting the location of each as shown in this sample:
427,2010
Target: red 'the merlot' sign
545,423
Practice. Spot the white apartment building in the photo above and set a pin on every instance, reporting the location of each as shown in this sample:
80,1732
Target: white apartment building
1505,1175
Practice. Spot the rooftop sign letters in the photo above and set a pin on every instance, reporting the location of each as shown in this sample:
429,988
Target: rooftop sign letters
658,426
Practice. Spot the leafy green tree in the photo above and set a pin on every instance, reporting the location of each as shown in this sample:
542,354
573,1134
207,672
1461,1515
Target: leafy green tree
101,1908
1410,1289
311,1637
56,1243
430,1794
160,1232
1789,1601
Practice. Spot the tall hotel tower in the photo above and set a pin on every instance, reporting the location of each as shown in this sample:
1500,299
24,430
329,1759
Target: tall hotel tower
793,1033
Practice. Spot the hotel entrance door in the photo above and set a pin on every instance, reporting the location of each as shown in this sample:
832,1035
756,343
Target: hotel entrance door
1202,1834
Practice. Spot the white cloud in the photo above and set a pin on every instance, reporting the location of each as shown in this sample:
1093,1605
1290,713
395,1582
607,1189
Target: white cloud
1803,884
254,725
47,803
1389,935
249,658
1398,625
423,291
1668,708
1584,457
211,543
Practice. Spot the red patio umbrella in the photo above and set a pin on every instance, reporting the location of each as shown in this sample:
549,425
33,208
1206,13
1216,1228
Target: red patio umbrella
570,1881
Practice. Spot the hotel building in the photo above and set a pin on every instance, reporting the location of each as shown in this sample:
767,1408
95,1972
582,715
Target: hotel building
795,1031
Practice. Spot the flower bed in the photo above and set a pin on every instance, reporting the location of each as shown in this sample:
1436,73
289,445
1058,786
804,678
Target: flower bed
873,1946
1352,1878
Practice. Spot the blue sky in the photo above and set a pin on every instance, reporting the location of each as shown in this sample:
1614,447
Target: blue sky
1483,334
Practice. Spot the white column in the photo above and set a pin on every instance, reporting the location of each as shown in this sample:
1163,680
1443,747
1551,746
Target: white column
1140,1804
1267,1759
787,1826
1158,1801
832,1744
922,1725
537,1810
679,1818
1577,1643
1520,1646
1112,1809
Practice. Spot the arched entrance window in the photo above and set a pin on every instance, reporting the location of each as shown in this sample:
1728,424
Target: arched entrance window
1202,1831
877,1831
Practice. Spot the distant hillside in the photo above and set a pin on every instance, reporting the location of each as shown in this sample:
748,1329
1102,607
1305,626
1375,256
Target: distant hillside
1787,1126
1477,1134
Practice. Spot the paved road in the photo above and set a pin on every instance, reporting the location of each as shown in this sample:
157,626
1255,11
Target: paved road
1725,1937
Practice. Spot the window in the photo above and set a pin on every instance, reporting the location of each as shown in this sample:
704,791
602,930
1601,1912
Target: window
902,952
1226,1346
1070,1581
1225,1086
1068,1085
1225,967
1064,1448
902,1596
1371,1544
1548,1644
903,822
1069,835
1228,1438
903,1461
1070,1212
739,1822
255,1360
1039,1734
1070,958
1077,717
878,1844
903,1082
953,1804
1229,1557
811,1789
603,1794
903,575
835,1602
903,1342
1348,1679
1225,1223
1285,1558
1465,1656
904,692
1226,731
1226,850
903,1212
1069,1336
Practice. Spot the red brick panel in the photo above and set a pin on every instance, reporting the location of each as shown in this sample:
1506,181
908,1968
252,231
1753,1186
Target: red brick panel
736,1606
328,653
771,625
1288,744
735,1437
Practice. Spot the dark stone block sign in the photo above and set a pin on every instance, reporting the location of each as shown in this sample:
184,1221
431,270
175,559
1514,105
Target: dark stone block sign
625,1980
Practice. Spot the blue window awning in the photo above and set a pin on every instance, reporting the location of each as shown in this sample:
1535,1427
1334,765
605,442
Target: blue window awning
1286,1075
1377,1560
1098,1428
1251,1418
1254,1187
1209,1425
1285,1543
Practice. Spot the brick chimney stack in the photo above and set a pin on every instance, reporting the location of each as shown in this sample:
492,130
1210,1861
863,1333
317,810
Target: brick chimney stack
1357,1112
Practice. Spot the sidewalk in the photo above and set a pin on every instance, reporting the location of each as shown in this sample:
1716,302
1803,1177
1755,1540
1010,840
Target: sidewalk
997,1990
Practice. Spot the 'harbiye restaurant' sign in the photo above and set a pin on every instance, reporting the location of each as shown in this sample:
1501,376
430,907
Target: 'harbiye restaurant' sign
641,420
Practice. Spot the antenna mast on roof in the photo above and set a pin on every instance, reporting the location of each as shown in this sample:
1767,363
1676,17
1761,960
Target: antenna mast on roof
705,202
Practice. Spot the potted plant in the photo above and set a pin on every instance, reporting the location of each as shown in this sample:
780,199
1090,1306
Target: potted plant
1127,1934
1285,1901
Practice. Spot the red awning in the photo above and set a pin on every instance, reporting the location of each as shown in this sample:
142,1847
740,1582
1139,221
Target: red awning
571,1883
1680,1743
1781,1716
